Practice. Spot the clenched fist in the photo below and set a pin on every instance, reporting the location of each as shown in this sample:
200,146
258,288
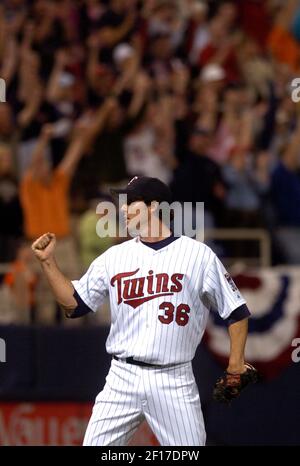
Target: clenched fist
44,246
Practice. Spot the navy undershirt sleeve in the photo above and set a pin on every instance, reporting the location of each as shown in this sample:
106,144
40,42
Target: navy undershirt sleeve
82,309
240,313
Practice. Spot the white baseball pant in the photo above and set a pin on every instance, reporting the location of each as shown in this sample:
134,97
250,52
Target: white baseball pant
166,397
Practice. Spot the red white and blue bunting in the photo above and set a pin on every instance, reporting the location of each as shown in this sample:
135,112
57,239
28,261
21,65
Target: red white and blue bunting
273,298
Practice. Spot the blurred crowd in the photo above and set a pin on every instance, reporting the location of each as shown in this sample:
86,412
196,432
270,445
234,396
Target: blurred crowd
196,93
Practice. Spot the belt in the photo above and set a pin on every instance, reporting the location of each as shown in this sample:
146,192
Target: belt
134,361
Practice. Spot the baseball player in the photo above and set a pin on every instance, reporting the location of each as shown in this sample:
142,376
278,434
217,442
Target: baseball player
160,290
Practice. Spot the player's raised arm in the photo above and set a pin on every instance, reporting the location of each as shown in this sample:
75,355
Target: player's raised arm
77,297
61,286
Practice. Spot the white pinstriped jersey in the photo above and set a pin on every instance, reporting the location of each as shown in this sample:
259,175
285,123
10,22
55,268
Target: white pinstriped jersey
159,299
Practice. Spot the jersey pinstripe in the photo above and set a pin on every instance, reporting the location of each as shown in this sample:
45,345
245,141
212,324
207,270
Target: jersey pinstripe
159,299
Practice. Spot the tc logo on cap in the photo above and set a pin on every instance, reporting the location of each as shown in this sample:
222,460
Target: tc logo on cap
133,179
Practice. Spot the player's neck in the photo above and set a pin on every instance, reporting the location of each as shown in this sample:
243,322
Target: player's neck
162,230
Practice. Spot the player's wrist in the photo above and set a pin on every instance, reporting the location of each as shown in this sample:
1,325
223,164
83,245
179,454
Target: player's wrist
47,261
236,367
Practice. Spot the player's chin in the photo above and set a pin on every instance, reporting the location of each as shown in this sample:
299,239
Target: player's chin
132,230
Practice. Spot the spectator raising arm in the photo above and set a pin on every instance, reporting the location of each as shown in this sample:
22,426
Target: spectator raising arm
10,59
54,87
8,51
110,36
26,115
74,152
130,75
286,13
140,93
97,124
30,91
46,22
38,160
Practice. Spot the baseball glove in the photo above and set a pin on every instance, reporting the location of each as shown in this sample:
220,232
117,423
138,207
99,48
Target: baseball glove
229,386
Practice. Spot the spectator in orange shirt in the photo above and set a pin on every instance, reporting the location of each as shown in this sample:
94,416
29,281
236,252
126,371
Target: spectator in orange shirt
44,192
45,200
283,46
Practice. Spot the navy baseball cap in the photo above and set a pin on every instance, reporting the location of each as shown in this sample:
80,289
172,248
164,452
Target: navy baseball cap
144,188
